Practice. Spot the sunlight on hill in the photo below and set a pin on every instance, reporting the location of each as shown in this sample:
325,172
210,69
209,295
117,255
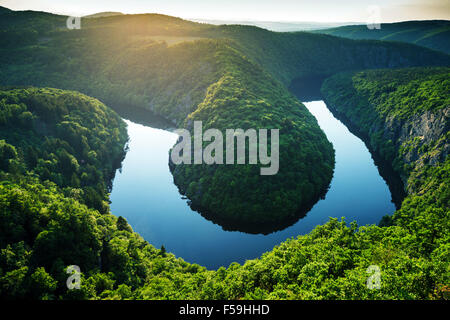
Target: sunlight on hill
170,40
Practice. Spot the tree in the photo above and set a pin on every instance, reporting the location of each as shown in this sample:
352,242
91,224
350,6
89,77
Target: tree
123,225
42,285
163,251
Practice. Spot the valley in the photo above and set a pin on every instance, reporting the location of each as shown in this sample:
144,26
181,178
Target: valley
72,174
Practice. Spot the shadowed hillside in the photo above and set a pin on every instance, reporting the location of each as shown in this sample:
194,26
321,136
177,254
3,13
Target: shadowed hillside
434,34
59,149
210,70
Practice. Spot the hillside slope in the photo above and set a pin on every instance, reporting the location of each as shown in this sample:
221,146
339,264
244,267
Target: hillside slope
229,70
404,115
45,228
433,34
233,72
55,167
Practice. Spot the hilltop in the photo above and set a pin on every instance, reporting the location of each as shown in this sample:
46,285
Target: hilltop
277,26
207,71
103,14
59,149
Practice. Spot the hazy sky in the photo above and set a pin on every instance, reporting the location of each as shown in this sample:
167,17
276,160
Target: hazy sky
262,10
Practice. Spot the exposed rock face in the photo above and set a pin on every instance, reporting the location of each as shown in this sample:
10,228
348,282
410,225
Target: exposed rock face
425,128
422,137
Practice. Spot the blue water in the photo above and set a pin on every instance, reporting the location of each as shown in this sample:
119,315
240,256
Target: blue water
143,192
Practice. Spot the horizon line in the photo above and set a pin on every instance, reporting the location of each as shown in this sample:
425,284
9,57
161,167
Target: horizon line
225,20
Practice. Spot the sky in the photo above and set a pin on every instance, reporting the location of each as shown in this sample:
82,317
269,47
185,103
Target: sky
251,10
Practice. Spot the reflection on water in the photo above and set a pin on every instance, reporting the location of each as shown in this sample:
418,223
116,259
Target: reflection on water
144,193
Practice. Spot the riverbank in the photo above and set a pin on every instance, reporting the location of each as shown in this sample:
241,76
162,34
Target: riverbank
145,195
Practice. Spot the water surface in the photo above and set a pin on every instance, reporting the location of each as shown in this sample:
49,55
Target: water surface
143,192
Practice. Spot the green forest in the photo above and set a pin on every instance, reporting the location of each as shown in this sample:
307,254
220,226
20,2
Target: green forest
59,150
432,34
186,71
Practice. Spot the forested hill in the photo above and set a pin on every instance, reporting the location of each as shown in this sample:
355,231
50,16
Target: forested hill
403,113
64,137
103,14
285,55
301,54
53,194
58,152
45,227
433,34
187,71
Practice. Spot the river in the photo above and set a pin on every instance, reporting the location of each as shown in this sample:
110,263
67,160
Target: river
143,192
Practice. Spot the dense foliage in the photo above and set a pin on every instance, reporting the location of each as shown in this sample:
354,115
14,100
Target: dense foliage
59,150
186,71
245,97
288,56
402,113
45,228
64,137
433,34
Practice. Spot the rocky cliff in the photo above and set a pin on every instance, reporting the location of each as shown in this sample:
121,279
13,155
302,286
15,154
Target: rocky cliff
408,133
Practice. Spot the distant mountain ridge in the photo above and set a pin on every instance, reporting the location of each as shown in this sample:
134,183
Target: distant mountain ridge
279,26
433,34
53,195
103,14
186,71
